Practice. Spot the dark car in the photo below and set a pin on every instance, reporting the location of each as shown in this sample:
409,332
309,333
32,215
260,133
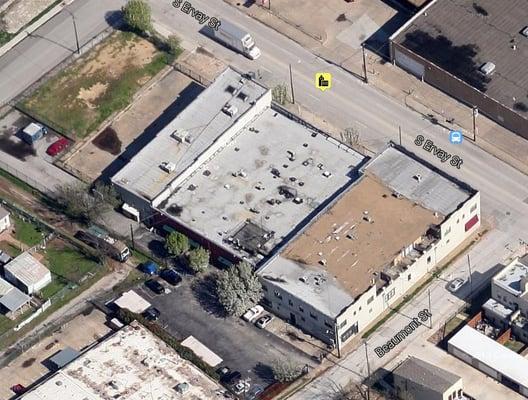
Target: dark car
18,388
171,276
149,268
57,147
231,378
155,286
151,314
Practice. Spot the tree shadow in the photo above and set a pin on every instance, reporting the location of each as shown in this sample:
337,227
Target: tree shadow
204,290
264,372
157,248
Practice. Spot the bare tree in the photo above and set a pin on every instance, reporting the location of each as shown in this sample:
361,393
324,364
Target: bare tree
350,136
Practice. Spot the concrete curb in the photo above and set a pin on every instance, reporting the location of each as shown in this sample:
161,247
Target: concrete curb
33,27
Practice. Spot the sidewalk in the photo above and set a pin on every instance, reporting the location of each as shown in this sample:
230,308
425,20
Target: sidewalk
308,30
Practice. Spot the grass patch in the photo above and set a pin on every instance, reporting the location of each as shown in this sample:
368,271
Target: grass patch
56,285
6,324
26,232
133,278
69,264
5,37
10,249
104,81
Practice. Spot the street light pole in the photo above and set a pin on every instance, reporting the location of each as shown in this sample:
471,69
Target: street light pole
470,278
475,114
430,310
75,29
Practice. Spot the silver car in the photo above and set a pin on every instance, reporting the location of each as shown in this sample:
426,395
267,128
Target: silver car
455,284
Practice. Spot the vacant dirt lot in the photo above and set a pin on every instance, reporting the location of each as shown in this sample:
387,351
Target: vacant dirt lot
145,117
82,96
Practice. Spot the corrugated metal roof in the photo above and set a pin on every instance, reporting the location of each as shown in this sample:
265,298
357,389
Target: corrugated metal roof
14,299
64,357
27,269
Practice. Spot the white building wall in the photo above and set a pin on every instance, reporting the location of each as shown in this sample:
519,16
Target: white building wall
5,223
260,105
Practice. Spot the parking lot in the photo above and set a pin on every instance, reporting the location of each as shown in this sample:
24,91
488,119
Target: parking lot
242,346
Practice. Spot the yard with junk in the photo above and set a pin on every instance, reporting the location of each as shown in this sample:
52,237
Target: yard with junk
83,95
71,270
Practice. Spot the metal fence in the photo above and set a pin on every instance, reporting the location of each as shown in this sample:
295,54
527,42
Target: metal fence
191,74
25,178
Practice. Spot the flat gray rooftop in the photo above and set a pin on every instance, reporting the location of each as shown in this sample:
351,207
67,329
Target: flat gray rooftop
417,182
425,374
202,122
254,170
460,36
314,285
494,306
511,276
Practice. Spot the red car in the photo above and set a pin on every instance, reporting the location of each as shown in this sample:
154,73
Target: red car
57,147
18,388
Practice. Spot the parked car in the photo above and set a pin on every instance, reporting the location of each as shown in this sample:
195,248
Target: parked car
253,313
155,286
263,321
149,268
455,284
171,276
223,371
151,314
254,393
18,389
57,147
231,378
241,387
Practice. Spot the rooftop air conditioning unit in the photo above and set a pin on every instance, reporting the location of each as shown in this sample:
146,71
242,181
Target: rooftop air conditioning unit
179,135
524,32
487,68
168,166
230,110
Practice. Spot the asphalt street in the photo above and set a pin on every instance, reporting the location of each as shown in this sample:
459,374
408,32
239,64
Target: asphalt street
49,45
350,102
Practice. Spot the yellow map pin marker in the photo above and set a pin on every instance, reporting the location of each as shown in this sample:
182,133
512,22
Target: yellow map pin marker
323,80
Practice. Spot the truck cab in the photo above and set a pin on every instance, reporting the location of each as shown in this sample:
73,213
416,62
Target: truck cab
252,51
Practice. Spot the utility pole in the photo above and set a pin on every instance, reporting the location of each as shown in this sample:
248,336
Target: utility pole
291,85
475,114
470,278
399,130
368,371
75,29
132,236
337,345
365,76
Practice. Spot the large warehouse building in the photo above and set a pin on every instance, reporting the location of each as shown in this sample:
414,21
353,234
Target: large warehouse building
475,51
234,173
370,246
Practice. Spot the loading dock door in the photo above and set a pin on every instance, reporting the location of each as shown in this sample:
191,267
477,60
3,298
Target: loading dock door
408,64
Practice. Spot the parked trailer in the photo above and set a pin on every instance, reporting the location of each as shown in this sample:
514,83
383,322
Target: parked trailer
100,239
236,38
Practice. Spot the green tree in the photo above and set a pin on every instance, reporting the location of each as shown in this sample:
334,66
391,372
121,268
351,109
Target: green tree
138,15
239,288
176,244
285,370
199,259
173,45
279,94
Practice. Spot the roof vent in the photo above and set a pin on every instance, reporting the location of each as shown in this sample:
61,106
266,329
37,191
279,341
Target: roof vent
168,166
179,135
488,68
418,177
303,279
231,89
230,110
243,96
524,32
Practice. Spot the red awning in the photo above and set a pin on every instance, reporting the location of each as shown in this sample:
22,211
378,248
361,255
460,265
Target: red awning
471,223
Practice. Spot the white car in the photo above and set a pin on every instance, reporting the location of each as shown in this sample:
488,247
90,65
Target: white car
456,284
263,321
253,313
241,387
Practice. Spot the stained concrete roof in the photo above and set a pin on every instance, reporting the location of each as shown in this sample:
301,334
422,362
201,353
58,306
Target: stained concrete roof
425,374
460,36
14,299
418,182
27,269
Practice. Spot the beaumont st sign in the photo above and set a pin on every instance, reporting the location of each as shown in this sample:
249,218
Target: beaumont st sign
409,329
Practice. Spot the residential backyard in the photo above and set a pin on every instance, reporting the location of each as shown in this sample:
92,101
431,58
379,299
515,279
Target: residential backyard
81,97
